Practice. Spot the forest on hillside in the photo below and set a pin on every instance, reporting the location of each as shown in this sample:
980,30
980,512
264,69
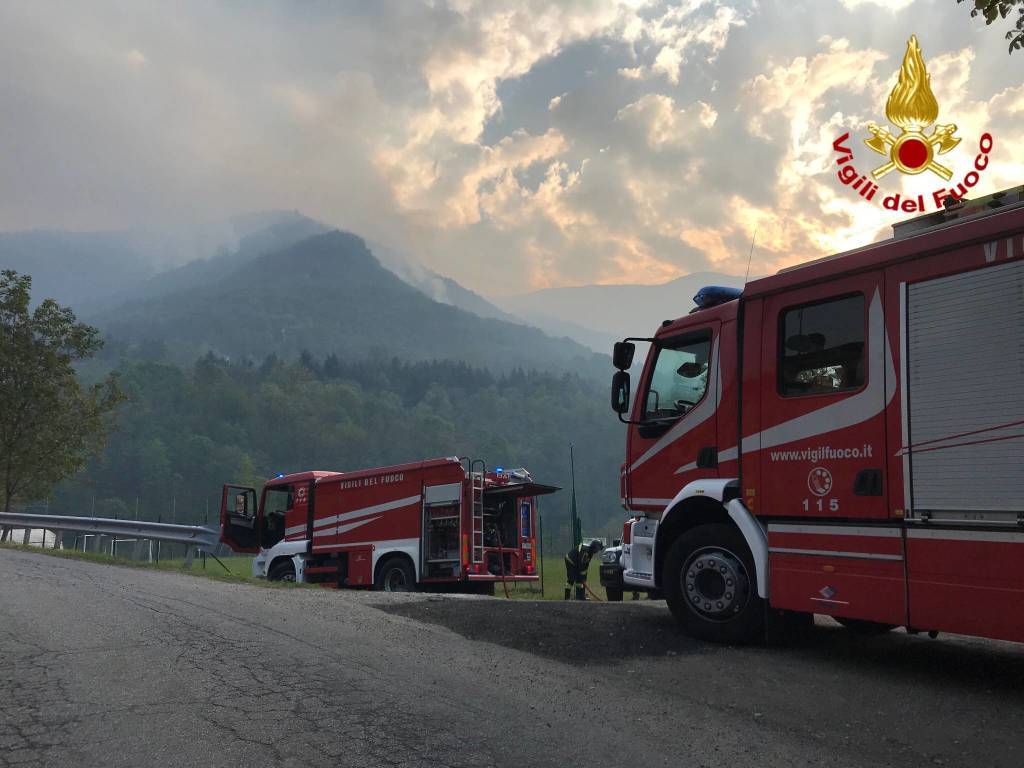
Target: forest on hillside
209,356
183,431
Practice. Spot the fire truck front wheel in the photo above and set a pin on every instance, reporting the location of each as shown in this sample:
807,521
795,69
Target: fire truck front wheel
710,585
282,570
396,575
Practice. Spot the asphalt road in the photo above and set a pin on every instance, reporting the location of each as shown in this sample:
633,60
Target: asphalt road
109,666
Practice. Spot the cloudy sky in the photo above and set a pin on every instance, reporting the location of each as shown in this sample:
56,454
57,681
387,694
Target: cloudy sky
511,144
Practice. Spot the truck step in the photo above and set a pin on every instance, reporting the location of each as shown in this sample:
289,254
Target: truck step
322,569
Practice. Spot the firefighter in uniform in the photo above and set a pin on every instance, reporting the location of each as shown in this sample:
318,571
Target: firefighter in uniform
577,563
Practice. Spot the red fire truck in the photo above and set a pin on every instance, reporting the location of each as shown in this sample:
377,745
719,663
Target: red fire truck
845,437
445,522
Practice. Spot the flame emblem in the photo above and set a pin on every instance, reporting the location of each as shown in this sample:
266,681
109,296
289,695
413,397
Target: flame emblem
912,107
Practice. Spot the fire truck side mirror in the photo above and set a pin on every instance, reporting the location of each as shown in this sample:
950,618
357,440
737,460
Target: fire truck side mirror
241,504
620,392
622,355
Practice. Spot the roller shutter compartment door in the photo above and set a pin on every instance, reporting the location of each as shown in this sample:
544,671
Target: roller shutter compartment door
966,389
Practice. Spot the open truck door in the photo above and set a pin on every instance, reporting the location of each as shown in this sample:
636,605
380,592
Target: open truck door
240,520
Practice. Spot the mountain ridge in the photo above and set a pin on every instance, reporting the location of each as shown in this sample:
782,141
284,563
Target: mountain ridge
329,294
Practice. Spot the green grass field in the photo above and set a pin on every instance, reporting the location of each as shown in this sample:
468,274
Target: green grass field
554,582
239,568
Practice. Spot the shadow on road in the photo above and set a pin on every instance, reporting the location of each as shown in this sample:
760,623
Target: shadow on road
585,634
575,633
950,660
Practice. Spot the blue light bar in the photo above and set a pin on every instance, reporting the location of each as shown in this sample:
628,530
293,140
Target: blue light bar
713,295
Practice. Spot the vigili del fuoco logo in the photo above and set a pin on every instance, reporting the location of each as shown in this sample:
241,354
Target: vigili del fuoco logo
913,149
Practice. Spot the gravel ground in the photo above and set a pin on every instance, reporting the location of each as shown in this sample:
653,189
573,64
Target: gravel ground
102,665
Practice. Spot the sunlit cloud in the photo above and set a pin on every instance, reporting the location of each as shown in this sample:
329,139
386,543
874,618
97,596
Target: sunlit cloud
512,145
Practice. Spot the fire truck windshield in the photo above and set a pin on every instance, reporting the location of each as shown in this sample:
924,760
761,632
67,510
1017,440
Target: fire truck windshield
679,378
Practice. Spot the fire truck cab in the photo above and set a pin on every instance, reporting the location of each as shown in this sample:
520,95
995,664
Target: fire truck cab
845,437
446,522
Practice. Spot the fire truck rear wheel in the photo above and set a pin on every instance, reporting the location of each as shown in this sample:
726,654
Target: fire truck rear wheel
614,594
710,585
282,570
396,575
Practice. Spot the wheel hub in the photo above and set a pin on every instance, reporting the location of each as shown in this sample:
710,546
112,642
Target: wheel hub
715,584
395,580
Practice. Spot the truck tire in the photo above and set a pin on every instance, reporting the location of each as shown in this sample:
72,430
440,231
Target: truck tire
710,585
863,627
614,594
282,570
396,575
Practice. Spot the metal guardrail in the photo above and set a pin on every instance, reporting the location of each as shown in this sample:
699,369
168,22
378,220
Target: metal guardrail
190,535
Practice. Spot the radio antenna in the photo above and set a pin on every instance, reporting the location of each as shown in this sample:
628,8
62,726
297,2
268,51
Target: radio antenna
750,256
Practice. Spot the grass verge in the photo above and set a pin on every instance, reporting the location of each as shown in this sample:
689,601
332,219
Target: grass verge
238,569
554,583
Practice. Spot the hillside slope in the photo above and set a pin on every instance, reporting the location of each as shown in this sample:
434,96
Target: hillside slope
441,289
95,271
328,294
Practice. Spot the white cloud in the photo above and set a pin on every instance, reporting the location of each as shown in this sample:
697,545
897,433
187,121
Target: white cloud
656,116
889,5
136,58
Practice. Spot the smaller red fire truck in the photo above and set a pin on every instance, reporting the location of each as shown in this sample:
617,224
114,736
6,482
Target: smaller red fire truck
445,522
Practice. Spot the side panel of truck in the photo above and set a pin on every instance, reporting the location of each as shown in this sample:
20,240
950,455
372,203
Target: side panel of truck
960,456
941,547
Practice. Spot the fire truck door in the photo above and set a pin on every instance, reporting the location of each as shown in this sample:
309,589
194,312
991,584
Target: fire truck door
240,522
826,378
679,413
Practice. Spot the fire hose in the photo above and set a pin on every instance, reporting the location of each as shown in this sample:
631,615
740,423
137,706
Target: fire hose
501,561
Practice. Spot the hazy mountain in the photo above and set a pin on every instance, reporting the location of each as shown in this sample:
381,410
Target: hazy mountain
93,270
263,233
441,289
328,294
599,315
82,269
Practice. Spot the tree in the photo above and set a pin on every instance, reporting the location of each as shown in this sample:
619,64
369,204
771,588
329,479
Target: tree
49,422
1000,9
246,474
